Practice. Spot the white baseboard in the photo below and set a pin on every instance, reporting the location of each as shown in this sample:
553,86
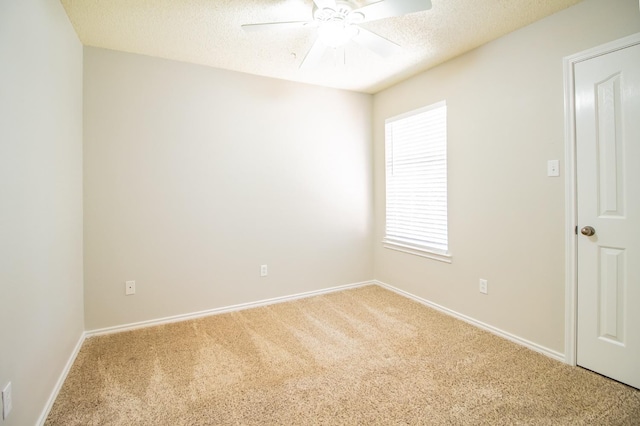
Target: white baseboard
516,339
226,309
61,379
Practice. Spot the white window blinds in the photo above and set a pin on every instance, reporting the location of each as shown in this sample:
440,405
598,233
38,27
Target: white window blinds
416,179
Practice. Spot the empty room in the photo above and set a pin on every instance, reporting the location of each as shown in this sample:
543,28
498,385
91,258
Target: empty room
319,212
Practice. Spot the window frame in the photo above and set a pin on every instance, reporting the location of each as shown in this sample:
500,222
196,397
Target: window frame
398,244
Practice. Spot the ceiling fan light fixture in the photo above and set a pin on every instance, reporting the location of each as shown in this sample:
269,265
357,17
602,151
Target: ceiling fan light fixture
336,33
337,23
355,17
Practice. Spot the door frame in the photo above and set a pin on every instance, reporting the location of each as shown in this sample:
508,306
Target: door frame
571,211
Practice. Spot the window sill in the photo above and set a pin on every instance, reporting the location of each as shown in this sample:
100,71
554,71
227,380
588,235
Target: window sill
417,251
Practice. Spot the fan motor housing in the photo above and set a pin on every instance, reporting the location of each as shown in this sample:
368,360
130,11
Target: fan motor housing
343,12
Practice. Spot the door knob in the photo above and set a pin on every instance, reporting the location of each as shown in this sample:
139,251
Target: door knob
588,231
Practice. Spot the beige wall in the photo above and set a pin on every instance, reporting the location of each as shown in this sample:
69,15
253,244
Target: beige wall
194,177
41,306
506,217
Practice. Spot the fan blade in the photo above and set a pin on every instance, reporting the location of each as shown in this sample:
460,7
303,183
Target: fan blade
321,4
270,25
390,8
376,43
314,55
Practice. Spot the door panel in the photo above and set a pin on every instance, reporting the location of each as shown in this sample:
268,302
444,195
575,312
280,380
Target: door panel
607,100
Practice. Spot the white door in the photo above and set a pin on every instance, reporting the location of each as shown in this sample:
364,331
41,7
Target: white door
607,105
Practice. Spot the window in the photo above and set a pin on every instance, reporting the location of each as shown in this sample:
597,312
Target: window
416,182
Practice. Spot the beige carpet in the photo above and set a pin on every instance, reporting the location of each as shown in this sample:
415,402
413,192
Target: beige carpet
362,356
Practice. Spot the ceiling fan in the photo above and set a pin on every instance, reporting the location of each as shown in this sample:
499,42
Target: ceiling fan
337,23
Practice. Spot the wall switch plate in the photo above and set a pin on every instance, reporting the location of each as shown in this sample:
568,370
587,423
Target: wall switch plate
129,288
553,168
263,270
483,286
7,403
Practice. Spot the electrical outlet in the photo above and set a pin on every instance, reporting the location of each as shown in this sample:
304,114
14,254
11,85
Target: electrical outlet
7,403
263,271
483,286
129,288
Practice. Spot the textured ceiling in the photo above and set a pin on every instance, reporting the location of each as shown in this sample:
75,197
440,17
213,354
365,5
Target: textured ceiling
208,32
